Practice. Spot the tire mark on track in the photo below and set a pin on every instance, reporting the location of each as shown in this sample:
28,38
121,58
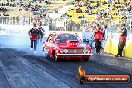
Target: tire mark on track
42,63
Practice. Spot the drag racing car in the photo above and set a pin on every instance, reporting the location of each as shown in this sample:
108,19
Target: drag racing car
66,46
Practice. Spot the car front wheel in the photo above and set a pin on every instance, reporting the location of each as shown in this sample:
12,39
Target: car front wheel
45,51
86,59
55,57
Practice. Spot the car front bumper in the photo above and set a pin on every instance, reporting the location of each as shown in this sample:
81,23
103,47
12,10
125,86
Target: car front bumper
75,54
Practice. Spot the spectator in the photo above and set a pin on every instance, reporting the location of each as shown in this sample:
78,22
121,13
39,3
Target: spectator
17,19
98,39
129,7
122,40
91,40
33,33
98,4
78,10
41,32
87,10
103,32
33,1
81,3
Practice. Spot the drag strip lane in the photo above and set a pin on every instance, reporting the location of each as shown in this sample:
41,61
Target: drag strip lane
38,68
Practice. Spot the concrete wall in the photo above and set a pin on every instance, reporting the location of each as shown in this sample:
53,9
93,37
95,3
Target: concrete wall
111,45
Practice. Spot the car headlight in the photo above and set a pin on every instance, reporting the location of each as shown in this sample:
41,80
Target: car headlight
63,50
86,51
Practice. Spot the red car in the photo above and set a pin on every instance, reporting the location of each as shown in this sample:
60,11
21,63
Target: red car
66,46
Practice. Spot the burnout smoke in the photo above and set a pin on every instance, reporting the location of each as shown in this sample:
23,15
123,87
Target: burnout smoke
18,41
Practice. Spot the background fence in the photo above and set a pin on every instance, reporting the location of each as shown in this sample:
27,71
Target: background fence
15,20
73,25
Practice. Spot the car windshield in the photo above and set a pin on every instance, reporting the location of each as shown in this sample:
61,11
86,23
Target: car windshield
65,37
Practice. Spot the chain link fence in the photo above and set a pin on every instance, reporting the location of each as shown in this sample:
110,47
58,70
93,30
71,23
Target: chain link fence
15,20
84,25
65,24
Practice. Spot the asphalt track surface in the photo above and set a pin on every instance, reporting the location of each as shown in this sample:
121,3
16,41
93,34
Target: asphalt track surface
21,68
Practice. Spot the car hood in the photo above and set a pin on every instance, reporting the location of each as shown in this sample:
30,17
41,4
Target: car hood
71,44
